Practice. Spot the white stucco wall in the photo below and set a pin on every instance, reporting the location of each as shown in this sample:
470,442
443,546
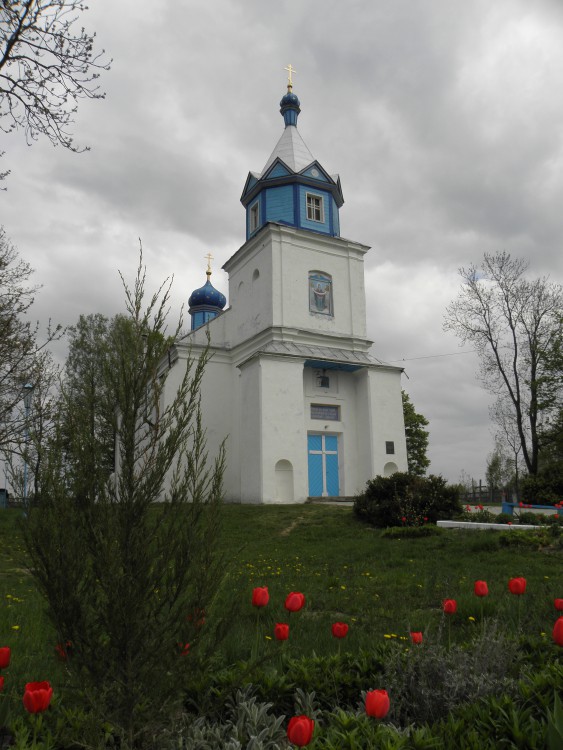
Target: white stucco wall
282,425
262,401
283,257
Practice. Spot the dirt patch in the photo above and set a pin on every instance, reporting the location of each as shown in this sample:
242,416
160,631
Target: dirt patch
287,531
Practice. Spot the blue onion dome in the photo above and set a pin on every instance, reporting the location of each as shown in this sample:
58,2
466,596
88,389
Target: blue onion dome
207,295
290,107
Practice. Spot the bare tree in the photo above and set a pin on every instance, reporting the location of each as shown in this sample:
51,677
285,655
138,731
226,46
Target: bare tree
22,357
47,63
511,320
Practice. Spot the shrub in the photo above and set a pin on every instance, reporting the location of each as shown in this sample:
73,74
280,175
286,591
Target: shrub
406,500
479,516
528,517
428,681
544,488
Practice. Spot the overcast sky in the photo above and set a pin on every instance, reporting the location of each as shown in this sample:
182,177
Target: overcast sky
444,120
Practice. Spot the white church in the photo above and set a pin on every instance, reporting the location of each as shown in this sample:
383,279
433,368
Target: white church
307,411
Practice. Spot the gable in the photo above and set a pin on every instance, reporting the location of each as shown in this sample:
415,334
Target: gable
315,172
278,169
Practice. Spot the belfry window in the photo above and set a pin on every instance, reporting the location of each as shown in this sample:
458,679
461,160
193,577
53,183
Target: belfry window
315,208
254,217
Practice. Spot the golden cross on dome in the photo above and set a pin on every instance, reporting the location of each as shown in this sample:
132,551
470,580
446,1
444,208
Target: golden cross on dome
290,69
209,259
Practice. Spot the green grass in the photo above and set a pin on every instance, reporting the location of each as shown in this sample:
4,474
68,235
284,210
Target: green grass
382,586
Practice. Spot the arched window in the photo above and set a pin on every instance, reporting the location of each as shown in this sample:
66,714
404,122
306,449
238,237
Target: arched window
320,293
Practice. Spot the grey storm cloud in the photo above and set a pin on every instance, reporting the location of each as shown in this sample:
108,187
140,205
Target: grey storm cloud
443,120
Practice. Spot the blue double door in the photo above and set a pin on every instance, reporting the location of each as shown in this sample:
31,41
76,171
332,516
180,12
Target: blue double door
323,465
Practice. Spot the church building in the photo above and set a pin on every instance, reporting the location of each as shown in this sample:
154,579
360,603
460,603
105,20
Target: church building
307,411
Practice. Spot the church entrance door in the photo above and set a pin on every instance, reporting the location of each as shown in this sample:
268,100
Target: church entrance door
323,465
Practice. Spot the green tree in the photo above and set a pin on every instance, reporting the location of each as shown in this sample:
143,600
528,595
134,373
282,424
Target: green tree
128,579
416,436
88,418
500,471
511,321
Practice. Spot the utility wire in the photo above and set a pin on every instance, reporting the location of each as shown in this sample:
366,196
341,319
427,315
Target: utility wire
433,356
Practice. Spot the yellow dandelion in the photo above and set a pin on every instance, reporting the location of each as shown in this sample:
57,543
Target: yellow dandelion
387,635
15,627
343,588
471,619
268,637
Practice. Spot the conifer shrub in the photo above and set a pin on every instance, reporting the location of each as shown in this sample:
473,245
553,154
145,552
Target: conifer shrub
130,583
406,500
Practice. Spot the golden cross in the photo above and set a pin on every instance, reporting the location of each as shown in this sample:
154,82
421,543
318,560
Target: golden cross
290,69
209,259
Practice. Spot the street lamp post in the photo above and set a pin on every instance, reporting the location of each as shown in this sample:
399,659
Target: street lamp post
27,393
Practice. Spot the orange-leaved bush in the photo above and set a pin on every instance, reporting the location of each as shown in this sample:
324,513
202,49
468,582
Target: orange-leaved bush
300,730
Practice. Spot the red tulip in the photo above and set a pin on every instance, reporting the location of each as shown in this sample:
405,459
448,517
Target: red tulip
377,703
294,601
1,684
339,629
5,654
300,730
198,617
449,606
558,631
416,637
517,586
558,605
260,596
63,650
481,588
281,631
184,649
37,696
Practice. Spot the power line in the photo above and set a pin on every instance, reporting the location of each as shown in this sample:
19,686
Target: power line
433,356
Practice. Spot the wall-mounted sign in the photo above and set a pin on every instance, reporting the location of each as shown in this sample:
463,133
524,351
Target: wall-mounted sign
325,411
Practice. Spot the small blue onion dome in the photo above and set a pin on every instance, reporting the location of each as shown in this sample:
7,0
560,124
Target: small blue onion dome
290,107
207,295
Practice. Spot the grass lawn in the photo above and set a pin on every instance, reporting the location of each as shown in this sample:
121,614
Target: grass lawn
382,586
347,571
